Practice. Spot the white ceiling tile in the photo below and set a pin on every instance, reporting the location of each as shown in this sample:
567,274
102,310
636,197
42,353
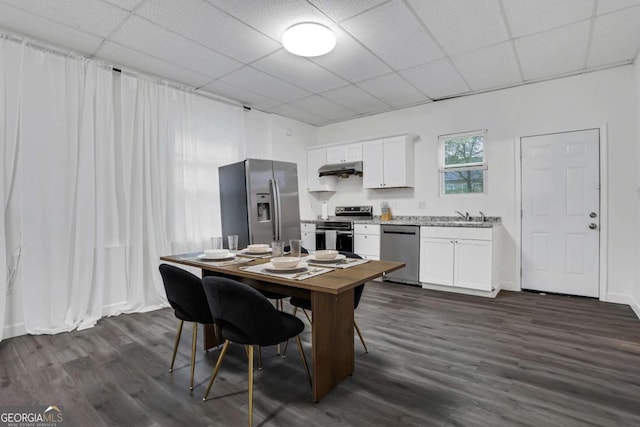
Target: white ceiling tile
350,60
393,90
616,37
356,99
490,67
299,71
126,4
462,25
438,79
606,6
339,10
272,17
207,25
144,36
264,84
91,16
241,95
528,17
555,52
131,59
393,33
298,114
322,107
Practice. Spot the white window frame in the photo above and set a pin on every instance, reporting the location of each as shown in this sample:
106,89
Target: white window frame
483,166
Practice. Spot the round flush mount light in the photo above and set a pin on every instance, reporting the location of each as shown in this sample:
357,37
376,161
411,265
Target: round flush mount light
308,39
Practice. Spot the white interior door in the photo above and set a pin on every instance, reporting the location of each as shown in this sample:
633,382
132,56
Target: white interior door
560,212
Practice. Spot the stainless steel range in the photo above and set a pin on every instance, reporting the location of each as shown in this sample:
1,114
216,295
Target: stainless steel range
337,232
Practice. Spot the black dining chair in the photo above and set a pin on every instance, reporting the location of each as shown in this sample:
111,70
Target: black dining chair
187,298
246,317
305,304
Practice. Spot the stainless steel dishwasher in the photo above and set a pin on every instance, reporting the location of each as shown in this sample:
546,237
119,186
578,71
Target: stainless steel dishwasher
401,243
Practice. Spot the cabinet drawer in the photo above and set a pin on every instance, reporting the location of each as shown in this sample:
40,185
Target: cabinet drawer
366,229
307,226
366,244
457,233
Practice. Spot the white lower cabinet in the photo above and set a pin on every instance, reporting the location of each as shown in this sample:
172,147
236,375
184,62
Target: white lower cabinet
460,257
308,236
366,240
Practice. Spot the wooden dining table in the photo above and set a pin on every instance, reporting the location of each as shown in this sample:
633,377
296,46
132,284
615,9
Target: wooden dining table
332,300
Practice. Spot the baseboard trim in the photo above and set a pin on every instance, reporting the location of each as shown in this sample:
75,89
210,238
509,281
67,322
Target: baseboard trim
635,307
625,299
14,330
510,286
464,291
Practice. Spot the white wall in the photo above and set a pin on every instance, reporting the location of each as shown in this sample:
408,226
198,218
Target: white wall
635,304
580,102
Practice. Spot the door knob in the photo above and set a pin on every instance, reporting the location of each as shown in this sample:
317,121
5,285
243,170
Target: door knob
593,226
593,215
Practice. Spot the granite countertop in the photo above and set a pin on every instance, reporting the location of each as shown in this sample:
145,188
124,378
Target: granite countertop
429,221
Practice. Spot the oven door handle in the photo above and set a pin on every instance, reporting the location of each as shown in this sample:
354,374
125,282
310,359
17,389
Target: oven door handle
345,233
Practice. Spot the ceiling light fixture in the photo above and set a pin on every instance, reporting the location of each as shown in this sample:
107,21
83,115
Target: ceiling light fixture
308,39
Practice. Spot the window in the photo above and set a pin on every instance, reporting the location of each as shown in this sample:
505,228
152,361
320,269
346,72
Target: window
463,163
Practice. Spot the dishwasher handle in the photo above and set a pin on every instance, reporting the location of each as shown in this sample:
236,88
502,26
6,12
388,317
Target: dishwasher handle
412,233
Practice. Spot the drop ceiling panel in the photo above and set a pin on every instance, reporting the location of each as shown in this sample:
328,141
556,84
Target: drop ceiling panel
393,90
339,10
606,6
91,16
616,37
393,33
528,17
350,60
144,36
265,85
490,67
132,59
295,113
207,25
243,96
20,22
438,79
299,71
355,99
322,107
272,18
126,4
555,52
462,25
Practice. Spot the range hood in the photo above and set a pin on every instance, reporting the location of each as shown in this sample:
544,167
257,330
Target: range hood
343,170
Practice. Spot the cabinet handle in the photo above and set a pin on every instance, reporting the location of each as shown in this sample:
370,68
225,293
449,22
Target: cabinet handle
452,241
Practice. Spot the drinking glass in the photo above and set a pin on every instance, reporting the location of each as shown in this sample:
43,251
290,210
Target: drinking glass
277,248
216,242
233,243
296,247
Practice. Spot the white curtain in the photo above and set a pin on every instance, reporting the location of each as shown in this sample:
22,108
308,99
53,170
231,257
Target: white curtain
112,171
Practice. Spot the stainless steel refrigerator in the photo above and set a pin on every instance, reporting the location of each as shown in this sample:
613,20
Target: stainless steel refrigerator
259,201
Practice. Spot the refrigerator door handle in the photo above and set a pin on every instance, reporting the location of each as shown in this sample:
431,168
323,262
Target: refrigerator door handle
273,208
278,218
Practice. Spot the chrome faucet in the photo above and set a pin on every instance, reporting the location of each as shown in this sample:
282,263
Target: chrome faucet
483,216
464,215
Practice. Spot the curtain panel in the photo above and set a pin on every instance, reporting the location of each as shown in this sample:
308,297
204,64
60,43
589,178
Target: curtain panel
102,173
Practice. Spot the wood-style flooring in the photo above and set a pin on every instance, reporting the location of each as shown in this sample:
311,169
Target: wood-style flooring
436,359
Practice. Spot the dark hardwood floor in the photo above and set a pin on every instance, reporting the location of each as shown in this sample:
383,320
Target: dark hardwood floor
436,359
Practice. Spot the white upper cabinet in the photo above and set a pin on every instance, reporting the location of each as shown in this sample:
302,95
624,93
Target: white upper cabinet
344,153
317,158
388,163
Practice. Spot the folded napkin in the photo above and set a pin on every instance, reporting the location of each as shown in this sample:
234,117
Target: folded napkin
310,272
342,263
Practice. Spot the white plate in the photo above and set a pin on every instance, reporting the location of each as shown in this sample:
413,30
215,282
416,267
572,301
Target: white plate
313,258
206,257
260,252
272,267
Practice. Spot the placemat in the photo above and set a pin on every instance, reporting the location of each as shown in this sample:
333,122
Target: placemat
345,263
311,272
236,260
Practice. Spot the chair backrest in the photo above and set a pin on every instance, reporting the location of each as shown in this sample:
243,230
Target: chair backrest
185,294
302,249
357,292
245,309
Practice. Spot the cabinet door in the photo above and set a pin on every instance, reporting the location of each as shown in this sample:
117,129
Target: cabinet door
309,240
316,159
335,155
436,261
372,164
472,265
366,244
397,163
353,152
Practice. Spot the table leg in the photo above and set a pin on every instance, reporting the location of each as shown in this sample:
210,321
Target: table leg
332,351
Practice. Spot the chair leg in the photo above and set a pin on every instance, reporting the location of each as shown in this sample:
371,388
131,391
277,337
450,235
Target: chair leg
259,358
250,351
304,360
216,369
308,318
194,341
175,346
360,335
